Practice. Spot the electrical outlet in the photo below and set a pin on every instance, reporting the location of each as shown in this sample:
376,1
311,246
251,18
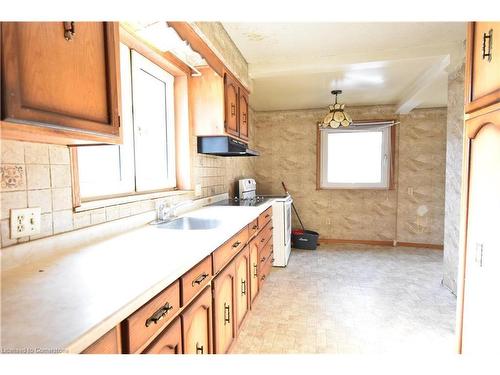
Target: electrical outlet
197,190
24,222
410,191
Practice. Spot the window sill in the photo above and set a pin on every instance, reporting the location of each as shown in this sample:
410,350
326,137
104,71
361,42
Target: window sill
101,203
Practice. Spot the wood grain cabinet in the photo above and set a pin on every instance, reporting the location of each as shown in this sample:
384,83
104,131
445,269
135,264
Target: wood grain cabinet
223,294
169,341
109,343
218,105
197,325
254,271
483,68
60,82
242,301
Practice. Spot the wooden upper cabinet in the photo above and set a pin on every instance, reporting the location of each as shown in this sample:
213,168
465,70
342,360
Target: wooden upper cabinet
243,114
231,92
483,65
197,325
61,80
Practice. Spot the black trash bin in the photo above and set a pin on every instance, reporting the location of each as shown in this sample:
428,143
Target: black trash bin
304,239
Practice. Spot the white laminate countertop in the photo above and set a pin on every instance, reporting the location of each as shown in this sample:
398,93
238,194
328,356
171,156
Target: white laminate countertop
65,302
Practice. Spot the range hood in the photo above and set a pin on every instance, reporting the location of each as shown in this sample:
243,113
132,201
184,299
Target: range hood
222,145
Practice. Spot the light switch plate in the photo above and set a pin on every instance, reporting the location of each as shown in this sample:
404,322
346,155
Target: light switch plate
24,222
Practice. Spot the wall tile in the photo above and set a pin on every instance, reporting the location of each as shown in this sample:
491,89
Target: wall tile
59,154
112,213
60,176
37,176
12,152
46,227
81,219
36,153
97,216
62,199
5,230
40,198
12,199
62,221
13,177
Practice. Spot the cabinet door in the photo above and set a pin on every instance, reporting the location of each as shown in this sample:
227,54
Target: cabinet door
197,325
110,343
481,325
254,264
223,287
52,82
169,341
241,290
231,106
244,127
483,65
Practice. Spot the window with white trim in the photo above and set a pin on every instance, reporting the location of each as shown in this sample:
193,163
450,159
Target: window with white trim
146,159
355,158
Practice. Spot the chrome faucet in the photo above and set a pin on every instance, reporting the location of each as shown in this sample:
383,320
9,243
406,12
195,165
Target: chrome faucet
167,213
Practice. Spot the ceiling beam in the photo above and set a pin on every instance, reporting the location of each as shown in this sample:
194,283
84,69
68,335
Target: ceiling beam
412,96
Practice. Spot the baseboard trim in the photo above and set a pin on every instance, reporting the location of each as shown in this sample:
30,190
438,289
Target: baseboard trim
382,243
419,244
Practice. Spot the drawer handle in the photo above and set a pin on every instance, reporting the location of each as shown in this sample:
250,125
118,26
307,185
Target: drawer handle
262,240
236,244
199,349
243,287
227,310
265,217
263,277
488,36
255,270
263,259
199,279
69,30
159,314
255,227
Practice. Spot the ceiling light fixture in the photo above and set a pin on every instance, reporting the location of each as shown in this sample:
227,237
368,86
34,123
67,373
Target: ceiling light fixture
336,117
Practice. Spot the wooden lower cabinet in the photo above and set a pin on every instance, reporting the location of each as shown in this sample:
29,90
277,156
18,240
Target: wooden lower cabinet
110,343
223,294
254,274
242,301
169,341
197,325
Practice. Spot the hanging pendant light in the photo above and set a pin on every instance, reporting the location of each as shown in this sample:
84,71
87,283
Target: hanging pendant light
336,117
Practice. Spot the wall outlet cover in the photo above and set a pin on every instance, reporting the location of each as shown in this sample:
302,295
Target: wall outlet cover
25,222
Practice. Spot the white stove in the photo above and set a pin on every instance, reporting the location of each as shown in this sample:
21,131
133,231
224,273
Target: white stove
282,216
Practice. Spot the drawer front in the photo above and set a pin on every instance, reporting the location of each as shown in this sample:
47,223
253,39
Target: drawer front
230,249
152,317
265,252
253,228
196,279
265,270
107,344
265,217
265,235
169,341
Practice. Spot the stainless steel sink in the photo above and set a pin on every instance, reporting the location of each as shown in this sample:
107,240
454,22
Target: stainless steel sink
190,223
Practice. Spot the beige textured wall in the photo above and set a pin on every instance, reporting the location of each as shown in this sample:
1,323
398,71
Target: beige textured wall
287,141
454,156
219,40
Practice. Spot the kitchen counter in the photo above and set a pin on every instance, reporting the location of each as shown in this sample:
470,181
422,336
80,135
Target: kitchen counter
66,301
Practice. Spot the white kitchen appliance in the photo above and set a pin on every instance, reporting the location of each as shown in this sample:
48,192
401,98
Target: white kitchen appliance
282,218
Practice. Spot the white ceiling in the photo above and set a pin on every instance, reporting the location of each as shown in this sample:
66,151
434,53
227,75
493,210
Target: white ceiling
296,65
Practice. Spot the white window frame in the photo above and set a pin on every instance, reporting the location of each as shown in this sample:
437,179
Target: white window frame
385,160
129,184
